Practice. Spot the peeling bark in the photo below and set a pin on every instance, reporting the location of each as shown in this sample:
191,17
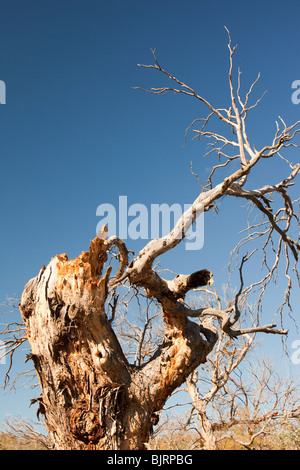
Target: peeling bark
92,398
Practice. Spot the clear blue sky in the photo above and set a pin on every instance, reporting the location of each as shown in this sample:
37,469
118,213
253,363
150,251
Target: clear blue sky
75,135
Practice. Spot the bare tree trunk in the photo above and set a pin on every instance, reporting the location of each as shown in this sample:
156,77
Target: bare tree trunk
209,435
206,428
92,398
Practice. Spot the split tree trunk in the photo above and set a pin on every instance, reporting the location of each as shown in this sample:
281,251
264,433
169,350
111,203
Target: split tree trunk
92,398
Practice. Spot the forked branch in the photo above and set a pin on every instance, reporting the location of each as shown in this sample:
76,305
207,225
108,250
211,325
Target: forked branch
228,149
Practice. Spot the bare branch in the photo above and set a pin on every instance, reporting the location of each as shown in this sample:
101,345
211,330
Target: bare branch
185,89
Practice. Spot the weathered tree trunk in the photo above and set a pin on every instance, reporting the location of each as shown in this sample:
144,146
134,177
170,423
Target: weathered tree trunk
92,398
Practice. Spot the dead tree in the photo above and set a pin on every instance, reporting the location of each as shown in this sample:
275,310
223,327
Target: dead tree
92,397
232,408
